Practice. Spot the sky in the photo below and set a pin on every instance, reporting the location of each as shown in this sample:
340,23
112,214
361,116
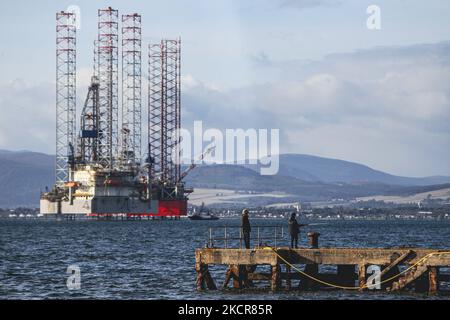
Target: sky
311,68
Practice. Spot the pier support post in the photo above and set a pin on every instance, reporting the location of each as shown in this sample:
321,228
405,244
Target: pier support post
228,276
240,276
275,285
235,272
433,283
200,280
204,278
362,277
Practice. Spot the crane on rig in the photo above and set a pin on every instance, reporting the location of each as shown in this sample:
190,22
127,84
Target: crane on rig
193,164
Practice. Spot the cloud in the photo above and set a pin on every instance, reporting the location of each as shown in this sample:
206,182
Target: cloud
306,4
387,107
27,116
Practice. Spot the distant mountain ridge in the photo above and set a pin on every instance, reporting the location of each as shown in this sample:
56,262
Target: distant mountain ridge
24,174
235,177
314,168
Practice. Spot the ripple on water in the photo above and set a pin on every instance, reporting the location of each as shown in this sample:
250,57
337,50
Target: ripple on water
155,259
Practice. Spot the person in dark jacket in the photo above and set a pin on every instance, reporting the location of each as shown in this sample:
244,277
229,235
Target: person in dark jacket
246,229
294,230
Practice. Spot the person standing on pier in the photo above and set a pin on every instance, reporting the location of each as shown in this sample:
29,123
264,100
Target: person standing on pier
294,230
246,229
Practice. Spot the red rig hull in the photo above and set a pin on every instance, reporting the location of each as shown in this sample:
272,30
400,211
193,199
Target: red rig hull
165,208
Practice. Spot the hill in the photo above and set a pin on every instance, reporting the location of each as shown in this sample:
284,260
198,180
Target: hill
24,174
313,168
240,178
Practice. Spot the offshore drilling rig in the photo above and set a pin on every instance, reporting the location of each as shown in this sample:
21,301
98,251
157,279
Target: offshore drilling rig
101,171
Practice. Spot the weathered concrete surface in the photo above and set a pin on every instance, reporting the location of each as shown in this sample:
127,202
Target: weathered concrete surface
327,256
237,256
351,266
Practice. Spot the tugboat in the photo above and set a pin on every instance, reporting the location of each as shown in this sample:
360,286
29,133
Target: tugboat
202,214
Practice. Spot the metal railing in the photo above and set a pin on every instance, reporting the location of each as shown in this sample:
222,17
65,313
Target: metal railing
272,234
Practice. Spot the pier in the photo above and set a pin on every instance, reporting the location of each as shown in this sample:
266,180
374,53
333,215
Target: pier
282,268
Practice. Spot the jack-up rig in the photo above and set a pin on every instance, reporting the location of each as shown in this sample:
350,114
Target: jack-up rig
101,171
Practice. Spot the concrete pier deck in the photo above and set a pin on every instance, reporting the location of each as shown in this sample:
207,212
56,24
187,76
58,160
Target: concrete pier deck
388,269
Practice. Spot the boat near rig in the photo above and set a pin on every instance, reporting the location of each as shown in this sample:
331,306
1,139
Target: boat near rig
100,171
202,214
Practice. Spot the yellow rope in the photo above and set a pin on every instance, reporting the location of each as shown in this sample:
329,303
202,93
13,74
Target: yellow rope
365,285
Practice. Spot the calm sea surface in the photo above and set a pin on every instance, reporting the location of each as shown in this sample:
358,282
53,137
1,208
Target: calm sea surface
155,259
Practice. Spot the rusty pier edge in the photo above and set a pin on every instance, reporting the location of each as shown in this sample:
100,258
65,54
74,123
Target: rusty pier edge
287,269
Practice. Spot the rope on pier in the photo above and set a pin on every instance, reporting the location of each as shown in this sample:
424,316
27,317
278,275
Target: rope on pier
359,287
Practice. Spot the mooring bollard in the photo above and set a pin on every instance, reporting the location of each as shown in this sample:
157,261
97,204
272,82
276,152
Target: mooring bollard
314,239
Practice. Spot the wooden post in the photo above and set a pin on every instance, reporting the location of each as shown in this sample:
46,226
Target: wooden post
433,283
362,277
237,284
242,276
228,275
204,278
275,277
200,280
199,270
